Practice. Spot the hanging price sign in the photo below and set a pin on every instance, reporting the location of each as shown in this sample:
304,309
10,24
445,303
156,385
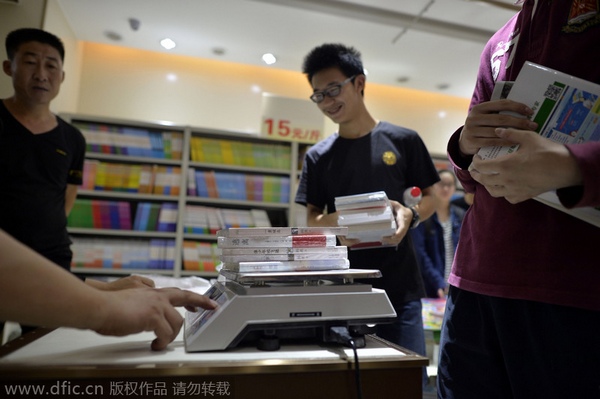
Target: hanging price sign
291,119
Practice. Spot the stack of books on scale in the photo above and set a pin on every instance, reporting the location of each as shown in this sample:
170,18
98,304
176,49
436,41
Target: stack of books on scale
368,217
281,249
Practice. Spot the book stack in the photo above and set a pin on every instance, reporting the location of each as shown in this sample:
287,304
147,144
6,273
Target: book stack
368,216
99,214
281,249
143,179
202,256
566,110
242,153
238,186
110,139
155,253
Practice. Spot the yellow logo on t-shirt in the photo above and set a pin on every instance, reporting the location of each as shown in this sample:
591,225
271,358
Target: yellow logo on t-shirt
389,158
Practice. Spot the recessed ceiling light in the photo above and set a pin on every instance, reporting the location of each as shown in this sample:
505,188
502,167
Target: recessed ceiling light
167,43
269,59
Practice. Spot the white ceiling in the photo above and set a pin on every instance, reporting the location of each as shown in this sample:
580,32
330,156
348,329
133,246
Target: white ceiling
430,43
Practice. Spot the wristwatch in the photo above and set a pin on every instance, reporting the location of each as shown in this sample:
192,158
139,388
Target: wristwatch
416,219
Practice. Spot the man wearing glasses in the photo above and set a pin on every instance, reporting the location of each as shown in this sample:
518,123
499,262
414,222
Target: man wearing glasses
366,155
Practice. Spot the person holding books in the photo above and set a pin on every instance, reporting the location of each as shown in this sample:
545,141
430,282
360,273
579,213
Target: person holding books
364,156
436,238
523,309
57,298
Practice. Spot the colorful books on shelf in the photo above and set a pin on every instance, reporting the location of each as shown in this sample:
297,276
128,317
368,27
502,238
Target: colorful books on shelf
368,217
201,256
566,109
99,214
123,253
131,178
152,216
200,219
111,139
240,153
276,250
238,186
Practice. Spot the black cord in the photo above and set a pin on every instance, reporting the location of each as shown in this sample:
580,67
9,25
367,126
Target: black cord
356,369
342,336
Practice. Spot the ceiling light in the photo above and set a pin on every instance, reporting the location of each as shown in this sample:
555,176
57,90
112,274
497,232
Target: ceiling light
167,43
269,59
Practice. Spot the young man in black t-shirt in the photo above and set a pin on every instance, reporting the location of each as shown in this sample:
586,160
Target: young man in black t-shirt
367,155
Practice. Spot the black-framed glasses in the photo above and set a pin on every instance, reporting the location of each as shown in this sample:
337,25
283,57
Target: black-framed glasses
331,91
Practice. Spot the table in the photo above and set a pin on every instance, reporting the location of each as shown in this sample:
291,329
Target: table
68,363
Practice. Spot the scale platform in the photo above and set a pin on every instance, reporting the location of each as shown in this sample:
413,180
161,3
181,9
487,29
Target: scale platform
263,308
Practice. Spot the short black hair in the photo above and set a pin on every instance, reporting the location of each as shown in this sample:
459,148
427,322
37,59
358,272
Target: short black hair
330,55
25,35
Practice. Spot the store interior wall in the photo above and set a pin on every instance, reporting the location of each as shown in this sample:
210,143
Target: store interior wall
115,82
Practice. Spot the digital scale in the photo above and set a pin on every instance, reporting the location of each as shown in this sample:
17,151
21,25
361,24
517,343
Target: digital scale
261,309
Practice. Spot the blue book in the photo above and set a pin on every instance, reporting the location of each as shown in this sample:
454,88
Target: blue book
169,254
156,141
201,186
142,216
167,217
113,213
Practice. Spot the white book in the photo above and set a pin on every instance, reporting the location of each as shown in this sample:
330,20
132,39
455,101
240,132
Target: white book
348,218
340,250
282,257
288,266
278,241
280,231
365,200
567,111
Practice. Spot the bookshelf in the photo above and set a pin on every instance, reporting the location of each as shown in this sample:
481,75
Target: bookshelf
154,194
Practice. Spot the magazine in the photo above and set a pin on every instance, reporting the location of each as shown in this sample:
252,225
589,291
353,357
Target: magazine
566,109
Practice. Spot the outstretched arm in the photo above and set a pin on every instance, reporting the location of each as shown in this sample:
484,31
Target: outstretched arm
35,291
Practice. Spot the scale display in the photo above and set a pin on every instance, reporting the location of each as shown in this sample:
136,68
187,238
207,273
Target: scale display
262,309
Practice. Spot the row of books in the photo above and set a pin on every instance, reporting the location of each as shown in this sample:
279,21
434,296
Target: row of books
131,178
282,249
152,216
240,153
238,186
200,219
120,140
123,254
202,256
102,214
368,217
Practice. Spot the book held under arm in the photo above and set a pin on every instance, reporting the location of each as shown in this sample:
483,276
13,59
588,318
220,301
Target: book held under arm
567,111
